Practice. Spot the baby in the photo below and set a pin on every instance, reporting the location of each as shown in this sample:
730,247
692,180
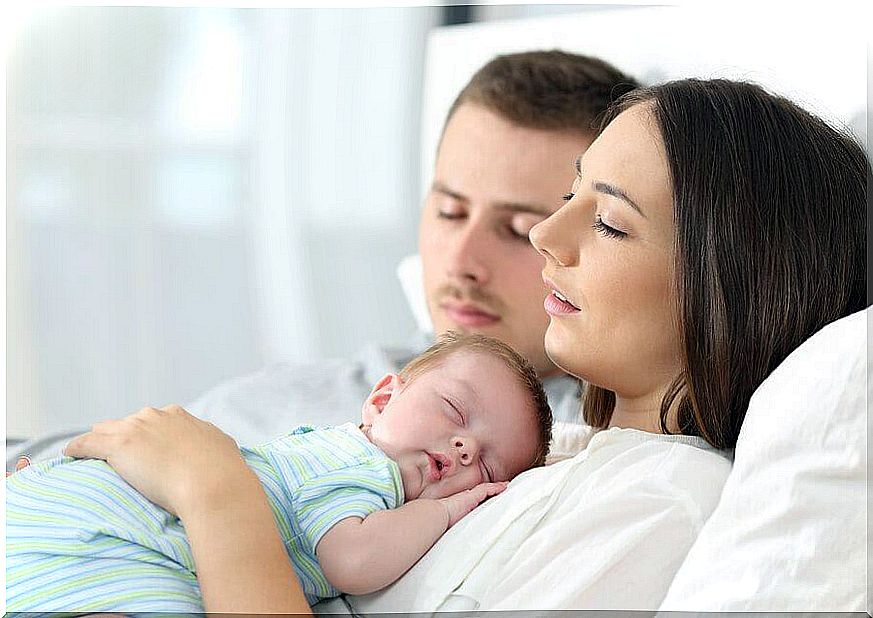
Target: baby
356,506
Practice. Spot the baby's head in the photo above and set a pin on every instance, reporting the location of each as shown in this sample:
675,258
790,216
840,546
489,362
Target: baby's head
468,410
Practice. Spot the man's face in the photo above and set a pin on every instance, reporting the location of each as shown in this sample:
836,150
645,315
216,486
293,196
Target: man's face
493,181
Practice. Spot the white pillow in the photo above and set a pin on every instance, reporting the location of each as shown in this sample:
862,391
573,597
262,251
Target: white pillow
412,281
790,530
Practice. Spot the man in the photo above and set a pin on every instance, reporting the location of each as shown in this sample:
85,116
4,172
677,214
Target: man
504,161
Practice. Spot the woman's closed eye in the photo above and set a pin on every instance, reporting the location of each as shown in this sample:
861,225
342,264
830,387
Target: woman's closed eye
606,230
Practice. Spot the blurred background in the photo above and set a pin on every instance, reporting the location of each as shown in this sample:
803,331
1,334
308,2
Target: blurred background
193,193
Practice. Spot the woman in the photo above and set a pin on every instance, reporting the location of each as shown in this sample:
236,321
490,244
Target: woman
711,230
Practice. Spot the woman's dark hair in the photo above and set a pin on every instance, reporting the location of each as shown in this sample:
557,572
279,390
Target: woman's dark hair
770,207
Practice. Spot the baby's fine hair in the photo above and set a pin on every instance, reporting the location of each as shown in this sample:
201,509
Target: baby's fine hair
450,342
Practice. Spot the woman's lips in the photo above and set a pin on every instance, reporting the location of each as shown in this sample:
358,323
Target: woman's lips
555,306
469,315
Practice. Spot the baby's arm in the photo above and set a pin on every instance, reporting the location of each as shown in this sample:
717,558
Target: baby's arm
359,556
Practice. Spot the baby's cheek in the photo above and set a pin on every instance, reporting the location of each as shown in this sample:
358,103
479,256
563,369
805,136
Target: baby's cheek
471,477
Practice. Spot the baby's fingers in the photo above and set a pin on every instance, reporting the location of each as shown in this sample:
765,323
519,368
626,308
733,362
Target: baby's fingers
496,488
486,490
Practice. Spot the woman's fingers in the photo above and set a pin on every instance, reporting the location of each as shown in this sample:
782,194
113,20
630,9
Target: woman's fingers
104,439
94,445
21,464
107,437
170,456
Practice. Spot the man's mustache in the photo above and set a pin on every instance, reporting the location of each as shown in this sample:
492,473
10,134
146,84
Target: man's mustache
470,294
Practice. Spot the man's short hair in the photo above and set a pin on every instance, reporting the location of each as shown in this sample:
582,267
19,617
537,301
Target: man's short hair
451,342
547,90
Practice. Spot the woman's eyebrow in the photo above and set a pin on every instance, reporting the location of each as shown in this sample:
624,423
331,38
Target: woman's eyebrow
608,189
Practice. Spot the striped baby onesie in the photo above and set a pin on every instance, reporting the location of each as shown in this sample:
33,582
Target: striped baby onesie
80,539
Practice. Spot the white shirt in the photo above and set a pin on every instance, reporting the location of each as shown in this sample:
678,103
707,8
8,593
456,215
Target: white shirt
606,529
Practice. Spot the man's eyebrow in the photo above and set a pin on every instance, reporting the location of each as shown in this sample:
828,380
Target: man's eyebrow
608,189
441,188
521,207
534,209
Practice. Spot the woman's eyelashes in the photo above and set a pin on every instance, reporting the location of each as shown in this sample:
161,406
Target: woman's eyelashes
606,230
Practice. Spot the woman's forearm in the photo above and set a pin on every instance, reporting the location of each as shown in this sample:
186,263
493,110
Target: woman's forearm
240,559
193,469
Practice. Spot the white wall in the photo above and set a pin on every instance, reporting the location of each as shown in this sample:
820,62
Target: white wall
193,193
815,54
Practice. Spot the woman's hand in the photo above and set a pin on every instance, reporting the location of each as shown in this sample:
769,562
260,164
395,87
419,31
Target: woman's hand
21,464
174,459
191,468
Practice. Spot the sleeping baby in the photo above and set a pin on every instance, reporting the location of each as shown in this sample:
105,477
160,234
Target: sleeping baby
451,429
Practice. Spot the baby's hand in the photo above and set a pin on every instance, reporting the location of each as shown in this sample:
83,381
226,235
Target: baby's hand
461,503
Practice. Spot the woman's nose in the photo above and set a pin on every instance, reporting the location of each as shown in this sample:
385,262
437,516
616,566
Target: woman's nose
552,238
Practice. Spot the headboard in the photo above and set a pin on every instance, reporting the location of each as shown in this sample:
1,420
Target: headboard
817,57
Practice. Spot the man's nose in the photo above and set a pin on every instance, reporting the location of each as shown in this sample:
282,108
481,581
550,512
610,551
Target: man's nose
466,449
468,254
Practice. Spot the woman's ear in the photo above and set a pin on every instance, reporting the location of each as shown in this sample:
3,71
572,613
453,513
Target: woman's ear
379,397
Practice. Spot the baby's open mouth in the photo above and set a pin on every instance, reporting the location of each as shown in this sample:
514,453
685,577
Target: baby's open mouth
438,464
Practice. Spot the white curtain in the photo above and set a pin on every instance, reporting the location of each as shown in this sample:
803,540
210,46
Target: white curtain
193,193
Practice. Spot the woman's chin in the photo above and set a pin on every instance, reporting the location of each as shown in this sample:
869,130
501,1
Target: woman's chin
570,354
560,351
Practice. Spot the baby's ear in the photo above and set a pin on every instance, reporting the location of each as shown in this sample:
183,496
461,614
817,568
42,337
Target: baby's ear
379,397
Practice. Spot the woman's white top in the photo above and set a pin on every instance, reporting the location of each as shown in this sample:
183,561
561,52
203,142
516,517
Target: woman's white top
605,529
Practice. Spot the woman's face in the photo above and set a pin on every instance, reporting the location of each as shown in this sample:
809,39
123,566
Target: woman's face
609,254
